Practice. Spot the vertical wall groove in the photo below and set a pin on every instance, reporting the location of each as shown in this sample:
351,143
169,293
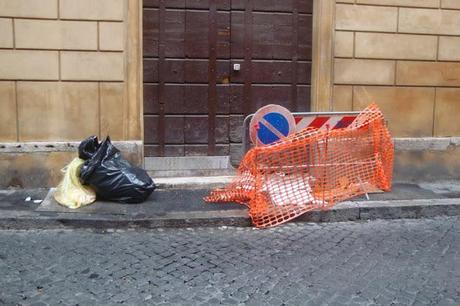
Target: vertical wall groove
17,109
248,33
295,48
161,85
212,75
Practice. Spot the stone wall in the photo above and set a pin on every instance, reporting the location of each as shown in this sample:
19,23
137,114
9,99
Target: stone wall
62,69
68,69
405,56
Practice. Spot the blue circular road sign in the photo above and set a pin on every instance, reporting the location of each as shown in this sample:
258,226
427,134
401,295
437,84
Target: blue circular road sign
271,123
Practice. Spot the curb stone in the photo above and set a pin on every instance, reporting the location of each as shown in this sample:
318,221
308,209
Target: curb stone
345,211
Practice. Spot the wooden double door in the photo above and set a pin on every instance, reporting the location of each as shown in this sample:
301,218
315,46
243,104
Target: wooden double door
207,64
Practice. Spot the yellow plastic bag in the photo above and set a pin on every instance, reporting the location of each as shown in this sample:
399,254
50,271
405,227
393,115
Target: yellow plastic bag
70,192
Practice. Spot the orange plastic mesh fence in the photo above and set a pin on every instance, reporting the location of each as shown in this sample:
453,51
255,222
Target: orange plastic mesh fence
312,169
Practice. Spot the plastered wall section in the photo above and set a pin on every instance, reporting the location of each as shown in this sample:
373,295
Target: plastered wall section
405,56
62,70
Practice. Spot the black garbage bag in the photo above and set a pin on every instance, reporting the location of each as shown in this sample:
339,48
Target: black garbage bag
88,147
112,177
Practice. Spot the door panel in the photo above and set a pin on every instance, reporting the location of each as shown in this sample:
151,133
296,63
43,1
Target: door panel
194,101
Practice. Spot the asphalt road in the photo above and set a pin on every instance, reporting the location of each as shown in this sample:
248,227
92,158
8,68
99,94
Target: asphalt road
395,262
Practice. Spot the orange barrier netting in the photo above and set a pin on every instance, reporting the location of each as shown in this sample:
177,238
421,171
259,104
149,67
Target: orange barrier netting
312,169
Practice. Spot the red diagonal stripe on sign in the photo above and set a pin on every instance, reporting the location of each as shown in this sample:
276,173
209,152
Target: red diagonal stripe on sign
297,119
318,122
344,122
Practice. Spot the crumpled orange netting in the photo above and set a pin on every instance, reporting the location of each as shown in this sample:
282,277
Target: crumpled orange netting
312,169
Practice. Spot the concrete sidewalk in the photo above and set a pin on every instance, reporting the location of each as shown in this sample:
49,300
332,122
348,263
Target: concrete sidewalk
178,203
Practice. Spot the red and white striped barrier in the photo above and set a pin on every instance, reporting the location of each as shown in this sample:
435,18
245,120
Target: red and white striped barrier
323,122
302,120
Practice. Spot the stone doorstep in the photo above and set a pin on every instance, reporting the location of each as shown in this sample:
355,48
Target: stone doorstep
192,182
210,182
345,211
186,163
178,175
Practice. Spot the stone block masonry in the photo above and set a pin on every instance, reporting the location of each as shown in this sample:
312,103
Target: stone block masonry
63,69
403,55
